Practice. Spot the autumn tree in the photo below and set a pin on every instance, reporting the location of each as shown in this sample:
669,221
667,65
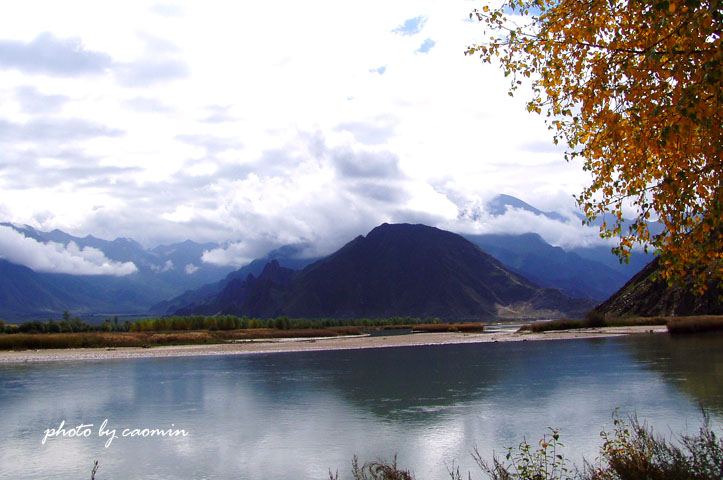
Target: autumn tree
633,89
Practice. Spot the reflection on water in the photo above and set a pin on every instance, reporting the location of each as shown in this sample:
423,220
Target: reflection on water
693,363
297,415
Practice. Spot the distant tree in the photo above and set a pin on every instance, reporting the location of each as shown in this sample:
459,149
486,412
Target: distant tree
66,316
281,323
52,327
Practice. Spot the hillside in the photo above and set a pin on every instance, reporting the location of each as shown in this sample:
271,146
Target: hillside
646,296
395,270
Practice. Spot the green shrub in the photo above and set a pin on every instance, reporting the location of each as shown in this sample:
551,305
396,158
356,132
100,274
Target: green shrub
12,328
528,463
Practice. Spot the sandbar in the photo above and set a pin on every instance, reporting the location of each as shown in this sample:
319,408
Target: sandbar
280,345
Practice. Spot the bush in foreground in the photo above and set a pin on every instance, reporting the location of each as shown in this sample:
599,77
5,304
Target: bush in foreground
631,451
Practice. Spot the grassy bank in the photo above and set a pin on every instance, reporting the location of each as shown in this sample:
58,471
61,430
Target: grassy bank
37,341
593,320
631,451
699,324
675,325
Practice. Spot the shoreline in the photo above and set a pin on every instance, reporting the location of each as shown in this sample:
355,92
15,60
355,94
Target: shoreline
289,345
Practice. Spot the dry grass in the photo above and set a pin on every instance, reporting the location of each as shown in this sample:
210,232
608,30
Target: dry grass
38,341
578,323
249,334
697,324
634,321
450,327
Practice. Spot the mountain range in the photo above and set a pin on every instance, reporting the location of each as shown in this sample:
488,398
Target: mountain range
171,277
161,273
395,270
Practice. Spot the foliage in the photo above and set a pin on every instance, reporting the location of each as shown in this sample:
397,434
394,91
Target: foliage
231,322
527,463
633,88
380,470
632,451
68,325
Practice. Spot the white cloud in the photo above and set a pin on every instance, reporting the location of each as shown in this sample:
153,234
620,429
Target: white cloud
57,258
191,269
235,254
234,123
167,267
567,233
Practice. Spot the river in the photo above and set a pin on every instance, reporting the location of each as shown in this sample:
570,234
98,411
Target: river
298,415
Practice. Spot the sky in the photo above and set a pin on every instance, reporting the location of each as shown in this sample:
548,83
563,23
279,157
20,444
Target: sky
260,124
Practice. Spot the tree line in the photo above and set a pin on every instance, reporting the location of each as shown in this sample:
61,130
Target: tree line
200,322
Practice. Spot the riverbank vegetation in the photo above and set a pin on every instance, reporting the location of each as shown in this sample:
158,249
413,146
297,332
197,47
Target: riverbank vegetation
194,330
592,320
73,333
675,325
699,324
631,450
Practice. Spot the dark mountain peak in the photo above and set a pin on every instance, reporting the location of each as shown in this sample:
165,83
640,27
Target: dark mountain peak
413,236
271,266
276,274
402,228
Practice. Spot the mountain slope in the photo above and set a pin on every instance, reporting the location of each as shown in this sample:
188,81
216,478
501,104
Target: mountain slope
529,255
27,294
286,256
646,296
395,270
161,273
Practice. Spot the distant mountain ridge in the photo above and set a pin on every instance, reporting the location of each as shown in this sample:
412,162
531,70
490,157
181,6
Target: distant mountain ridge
171,277
499,204
161,273
395,270
576,272
286,256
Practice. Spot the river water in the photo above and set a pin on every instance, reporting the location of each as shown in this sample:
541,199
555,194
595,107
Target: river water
298,415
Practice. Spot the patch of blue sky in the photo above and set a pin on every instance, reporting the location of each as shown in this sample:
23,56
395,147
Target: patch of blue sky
426,46
411,26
